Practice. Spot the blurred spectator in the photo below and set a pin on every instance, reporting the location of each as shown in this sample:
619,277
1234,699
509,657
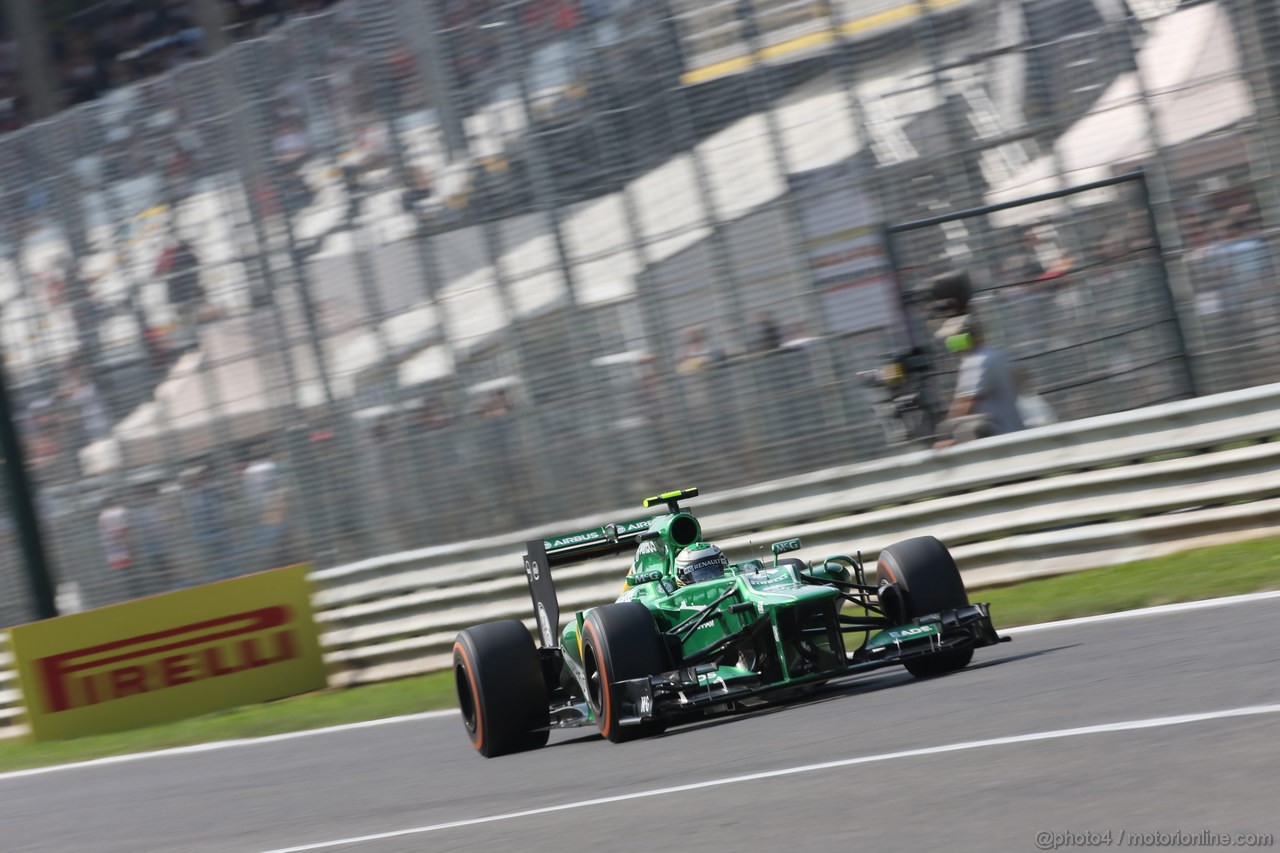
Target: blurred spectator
696,355
1034,409
1235,292
701,427
433,432
84,399
474,47
205,505
496,405
1241,259
406,86
986,395
291,144
149,524
268,506
113,528
652,390
159,356
45,434
419,194
180,267
105,44
291,147
386,485
766,334
1022,266
132,530
476,44
373,143
498,441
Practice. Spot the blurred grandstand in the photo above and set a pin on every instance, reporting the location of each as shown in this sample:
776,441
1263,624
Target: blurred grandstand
383,269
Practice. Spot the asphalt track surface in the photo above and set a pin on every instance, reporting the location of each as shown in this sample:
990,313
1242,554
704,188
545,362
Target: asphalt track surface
1174,763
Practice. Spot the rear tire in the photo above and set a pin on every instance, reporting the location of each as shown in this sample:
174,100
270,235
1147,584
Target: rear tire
926,580
620,642
501,690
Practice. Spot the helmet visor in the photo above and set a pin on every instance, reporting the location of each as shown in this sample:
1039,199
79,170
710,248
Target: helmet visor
705,570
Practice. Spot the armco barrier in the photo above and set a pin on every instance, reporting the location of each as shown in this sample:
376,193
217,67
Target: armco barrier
12,714
1063,497
1047,501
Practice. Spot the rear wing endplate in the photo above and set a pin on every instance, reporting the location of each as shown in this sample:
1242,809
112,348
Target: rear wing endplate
546,607
542,554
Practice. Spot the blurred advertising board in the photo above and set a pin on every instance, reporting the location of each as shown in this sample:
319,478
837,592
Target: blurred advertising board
843,240
169,657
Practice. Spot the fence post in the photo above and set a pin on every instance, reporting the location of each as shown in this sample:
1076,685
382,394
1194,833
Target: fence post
28,31
22,504
1179,333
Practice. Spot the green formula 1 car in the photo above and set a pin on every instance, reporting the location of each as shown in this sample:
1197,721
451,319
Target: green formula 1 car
693,633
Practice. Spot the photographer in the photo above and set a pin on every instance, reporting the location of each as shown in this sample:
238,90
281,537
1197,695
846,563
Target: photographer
986,396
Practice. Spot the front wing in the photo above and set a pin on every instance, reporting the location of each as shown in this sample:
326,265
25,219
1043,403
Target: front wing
689,690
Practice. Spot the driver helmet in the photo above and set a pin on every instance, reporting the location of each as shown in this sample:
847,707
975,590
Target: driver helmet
699,562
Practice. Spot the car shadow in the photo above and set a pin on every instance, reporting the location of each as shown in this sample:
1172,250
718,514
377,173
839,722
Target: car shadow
866,684
819,694
589,734
1014,658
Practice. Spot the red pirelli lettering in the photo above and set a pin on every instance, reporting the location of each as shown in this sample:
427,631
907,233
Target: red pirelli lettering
175,670
128,681
58,673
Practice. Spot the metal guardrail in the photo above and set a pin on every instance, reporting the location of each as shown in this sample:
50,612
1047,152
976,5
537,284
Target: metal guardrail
1049,501
1065,497
12,712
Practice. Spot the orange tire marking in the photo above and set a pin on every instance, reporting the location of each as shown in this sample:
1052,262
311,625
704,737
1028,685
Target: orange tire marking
477,737
606,691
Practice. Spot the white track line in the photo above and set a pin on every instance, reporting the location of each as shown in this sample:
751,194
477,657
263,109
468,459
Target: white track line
224,744
255,741
1159,610
1056,734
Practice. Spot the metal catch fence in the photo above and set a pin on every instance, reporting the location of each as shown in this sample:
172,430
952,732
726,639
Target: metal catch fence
410,271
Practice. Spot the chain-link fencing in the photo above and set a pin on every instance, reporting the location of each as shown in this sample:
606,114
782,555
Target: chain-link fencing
410,271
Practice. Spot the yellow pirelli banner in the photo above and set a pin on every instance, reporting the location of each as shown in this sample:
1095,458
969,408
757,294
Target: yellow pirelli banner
170,656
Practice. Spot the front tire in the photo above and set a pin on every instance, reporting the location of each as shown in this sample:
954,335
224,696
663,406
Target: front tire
501,690
925,580
620,642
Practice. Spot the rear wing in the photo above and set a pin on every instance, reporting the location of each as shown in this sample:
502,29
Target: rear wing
596,542
542,554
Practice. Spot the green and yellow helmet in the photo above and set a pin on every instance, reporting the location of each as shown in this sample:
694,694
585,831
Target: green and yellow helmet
700,561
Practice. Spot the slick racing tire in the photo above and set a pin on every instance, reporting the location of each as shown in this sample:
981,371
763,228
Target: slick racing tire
925,580
501,691
620,642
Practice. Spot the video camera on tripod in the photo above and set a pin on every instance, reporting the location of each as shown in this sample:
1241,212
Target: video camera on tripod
909,410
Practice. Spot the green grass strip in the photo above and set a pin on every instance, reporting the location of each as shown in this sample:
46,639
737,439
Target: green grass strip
1208,572
1233,569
